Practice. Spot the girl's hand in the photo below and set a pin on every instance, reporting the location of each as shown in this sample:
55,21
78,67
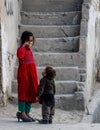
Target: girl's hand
37,99
37,96
26,44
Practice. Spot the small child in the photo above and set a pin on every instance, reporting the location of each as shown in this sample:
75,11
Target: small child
46,94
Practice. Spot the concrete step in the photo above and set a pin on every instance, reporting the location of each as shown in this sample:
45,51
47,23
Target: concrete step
63,73
51,5
62,87
58,59
51,18
65,102
51,31
82,77
55,45
70,102
82,74
82,70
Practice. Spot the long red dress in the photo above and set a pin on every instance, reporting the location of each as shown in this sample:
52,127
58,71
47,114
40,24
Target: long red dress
27,75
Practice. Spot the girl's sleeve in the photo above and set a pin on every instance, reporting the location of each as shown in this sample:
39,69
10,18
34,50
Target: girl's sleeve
21,52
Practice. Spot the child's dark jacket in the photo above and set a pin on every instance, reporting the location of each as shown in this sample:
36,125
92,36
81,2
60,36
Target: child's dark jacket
46,91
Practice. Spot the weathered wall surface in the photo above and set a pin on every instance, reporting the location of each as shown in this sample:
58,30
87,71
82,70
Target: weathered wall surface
9,34
89,42
1,92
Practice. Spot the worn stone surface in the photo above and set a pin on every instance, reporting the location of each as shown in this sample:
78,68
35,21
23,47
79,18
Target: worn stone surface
84,27
60,117
62,87
9,28
51,18
51,6
58,59
96,115
82,46
51,31
83,77
11,124
66,59
90,29
63,73
1,88
70,102
65,101
70,44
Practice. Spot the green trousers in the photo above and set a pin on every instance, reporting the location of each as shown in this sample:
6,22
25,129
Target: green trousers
24,106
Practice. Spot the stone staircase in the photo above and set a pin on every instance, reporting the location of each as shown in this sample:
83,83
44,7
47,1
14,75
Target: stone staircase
56,27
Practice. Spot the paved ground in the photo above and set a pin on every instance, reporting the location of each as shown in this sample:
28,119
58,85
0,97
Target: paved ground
61,116
63,120
12,124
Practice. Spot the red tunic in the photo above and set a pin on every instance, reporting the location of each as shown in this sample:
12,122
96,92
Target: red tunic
27,75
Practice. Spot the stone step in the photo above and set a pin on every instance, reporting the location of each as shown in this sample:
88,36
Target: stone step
65,102
70,102
62,87
82,70
51,31
82,77
51,18
55,45
58,59
51,5
63,73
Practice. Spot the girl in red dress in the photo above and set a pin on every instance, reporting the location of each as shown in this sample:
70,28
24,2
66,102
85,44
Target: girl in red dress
27,77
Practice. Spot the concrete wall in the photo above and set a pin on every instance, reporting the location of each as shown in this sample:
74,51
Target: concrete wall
9,34
1,92
89,42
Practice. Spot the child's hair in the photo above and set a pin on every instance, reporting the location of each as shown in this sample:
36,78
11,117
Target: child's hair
25,37
50,72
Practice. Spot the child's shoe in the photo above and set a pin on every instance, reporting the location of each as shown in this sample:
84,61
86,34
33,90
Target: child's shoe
43,121
50,121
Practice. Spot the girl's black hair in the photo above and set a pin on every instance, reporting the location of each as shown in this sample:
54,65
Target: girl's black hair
25,37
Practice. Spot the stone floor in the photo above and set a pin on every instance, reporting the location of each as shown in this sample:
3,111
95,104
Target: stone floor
63,120
12,124
61,116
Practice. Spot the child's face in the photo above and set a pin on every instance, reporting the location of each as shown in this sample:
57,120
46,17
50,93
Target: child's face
44,72
30,41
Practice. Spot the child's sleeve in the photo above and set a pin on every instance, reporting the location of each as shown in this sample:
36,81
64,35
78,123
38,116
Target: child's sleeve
54,89
41,87
21,52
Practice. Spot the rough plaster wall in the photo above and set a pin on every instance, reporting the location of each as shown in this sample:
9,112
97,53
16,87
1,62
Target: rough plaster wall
1,92
9,34
90,53
96,114
90,43
97,60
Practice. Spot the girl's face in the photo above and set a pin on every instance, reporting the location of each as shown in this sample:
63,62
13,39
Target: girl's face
30,41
